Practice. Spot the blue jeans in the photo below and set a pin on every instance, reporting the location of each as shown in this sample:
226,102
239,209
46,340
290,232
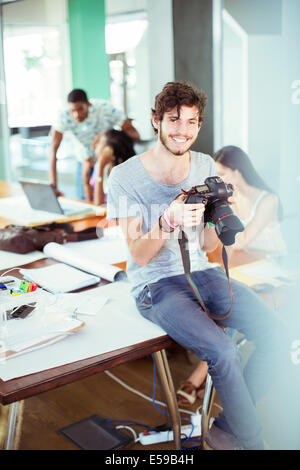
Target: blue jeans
79,181
171,303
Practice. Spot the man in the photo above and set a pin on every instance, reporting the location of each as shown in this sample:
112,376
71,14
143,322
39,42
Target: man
86,120
142,196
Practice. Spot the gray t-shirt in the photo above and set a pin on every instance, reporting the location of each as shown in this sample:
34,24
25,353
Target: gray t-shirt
133,192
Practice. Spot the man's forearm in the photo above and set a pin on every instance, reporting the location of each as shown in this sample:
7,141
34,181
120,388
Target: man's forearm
143,247
52,169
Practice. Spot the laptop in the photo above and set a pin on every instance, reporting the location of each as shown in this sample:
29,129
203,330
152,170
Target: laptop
42,197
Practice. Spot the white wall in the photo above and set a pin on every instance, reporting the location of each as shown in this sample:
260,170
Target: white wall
143,104
256,16
290,128
160,45
235,80
256,120
264,92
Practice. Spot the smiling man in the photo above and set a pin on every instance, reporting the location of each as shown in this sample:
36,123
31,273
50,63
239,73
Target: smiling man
145,196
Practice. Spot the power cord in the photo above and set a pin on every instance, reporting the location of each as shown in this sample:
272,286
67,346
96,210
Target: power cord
140,394
164,427
154,388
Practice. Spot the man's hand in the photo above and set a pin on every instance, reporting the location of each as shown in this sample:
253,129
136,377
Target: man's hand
58,193
130,130
56,138
187,215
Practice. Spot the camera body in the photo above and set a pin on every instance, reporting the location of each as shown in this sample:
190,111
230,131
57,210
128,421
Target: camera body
214,193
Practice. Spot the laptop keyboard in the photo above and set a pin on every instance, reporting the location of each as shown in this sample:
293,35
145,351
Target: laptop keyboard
70,207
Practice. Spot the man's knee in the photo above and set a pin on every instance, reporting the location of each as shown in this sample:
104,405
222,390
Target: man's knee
223,358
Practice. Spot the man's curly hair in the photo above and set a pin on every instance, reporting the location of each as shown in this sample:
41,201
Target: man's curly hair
177,94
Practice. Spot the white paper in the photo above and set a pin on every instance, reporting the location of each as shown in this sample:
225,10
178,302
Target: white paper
86,263
10,260
265,271
110,249
76,304
59,277
40,327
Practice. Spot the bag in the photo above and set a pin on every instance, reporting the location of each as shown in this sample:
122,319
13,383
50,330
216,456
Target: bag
22,239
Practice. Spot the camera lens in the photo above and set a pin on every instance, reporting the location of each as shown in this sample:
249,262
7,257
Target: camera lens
227,224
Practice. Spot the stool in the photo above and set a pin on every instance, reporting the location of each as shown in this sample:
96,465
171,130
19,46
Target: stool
208,400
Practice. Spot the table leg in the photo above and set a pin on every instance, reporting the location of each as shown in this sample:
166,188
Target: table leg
166,381
208,399
11,425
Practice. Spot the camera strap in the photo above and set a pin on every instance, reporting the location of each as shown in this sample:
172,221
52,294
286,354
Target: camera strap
184,250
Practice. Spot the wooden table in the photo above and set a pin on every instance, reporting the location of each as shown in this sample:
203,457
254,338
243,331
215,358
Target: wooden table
12,391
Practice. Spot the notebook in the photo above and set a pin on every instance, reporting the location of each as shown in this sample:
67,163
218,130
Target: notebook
60,277
42,197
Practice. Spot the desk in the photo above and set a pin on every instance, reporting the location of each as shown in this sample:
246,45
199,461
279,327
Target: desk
12,391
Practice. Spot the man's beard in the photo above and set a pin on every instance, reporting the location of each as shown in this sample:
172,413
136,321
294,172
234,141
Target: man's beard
179,152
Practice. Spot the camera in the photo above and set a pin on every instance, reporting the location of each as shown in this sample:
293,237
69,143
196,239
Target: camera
214,194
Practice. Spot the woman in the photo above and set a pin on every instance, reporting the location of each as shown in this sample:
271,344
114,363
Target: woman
253,202
112,148
260,210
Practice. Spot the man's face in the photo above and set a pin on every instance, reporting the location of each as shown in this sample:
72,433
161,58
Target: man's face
79,110
178,133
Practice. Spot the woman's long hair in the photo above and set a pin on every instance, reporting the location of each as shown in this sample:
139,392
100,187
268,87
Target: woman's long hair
121,144
236,159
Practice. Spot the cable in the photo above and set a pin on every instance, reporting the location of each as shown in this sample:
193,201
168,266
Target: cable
187,438
8,271
153,392
150,428
130,429
140,394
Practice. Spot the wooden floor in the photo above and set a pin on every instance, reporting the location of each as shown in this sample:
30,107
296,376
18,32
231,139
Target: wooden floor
45,414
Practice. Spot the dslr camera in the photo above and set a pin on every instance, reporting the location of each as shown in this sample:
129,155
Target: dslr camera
214,194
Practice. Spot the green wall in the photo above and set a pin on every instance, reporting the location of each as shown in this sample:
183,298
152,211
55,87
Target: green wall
87,41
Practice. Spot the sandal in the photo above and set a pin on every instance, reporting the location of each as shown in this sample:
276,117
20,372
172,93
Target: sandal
188,393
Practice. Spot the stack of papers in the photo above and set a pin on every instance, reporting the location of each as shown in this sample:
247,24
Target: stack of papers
262,271
34,333
60,277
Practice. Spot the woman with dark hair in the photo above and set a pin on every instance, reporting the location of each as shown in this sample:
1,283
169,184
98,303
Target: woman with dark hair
260,210
253,202
113,147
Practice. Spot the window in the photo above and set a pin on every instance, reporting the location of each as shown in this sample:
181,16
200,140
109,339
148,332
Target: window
34,74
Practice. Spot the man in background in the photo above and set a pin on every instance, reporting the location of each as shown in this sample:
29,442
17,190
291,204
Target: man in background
86,120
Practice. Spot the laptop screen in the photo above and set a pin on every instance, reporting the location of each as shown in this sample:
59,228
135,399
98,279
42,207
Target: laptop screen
41,196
